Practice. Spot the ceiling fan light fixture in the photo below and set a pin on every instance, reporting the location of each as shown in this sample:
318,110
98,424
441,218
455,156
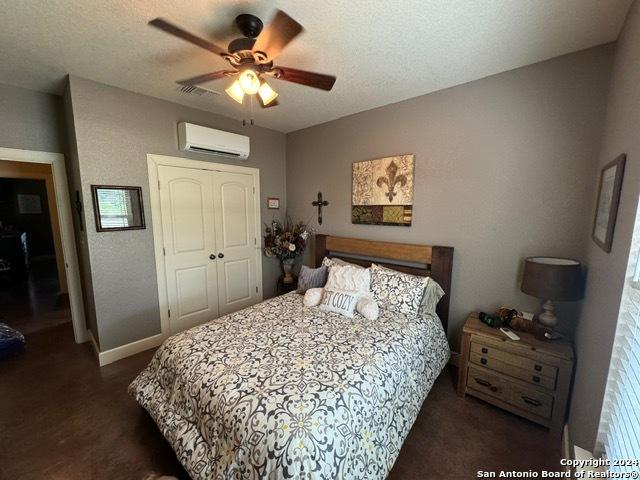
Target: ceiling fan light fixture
236,91
267,94
249,81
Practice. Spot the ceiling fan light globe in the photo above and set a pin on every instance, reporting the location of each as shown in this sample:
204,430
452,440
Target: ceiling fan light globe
267,94
249,81
236,92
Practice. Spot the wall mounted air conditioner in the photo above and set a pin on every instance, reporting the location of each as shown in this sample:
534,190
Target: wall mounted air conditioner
198,139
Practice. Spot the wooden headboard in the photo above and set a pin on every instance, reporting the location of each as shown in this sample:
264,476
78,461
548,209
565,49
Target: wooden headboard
426,260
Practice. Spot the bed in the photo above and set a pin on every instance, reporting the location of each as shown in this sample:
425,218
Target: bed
280,390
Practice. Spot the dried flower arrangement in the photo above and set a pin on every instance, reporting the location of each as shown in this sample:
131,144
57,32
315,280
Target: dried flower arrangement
285,242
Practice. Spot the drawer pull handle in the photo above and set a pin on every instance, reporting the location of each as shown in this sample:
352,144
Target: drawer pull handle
538,368
484,383
536,379
483,361
531,401
484,350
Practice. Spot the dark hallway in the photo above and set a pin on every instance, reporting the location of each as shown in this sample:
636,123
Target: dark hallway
31,296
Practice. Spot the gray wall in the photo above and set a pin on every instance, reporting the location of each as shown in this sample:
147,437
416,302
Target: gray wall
80,231
115,130
31,120
596,327
503,167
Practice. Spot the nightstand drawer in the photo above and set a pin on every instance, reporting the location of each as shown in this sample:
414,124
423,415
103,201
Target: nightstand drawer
532,401
490,384
512,370
499,387
527,364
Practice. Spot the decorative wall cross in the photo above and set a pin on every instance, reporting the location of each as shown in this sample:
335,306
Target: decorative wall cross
319,203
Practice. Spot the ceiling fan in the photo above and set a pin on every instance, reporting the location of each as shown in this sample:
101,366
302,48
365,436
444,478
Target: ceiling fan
251,57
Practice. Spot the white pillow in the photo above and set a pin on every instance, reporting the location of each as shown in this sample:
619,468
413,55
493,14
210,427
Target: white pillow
313,297
368,308
349,278
339,301
433,292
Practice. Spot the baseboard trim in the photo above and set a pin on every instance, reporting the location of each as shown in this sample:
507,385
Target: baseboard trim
124,351
568,452
94,343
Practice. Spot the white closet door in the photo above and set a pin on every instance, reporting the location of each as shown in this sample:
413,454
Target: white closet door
236,240
187,204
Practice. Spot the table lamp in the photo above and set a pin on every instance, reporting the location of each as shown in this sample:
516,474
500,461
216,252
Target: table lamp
552,279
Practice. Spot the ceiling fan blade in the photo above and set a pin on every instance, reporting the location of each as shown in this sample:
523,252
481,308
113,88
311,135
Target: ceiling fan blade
310,79
273,103
277,35
176,31
207,77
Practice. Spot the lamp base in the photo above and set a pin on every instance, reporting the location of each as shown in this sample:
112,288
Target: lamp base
548,317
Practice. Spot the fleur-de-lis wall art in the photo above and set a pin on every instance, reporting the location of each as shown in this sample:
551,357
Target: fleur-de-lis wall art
383,191
391,179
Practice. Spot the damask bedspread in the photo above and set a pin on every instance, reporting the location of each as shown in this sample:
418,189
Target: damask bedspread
280,390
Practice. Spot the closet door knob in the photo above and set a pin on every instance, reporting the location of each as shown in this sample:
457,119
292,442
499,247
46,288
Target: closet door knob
212,256
221,255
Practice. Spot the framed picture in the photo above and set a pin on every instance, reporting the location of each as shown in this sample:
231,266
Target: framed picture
273,203
29,204
604,220
382,191
117,208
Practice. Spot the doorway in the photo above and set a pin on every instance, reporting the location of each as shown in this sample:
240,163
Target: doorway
33,286
206,224
39,277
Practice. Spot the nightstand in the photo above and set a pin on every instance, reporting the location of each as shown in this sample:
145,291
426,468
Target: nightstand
527,377
282,288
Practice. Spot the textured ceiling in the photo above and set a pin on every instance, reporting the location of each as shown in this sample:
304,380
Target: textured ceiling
381,51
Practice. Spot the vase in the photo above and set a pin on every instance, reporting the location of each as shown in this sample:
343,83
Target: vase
287,267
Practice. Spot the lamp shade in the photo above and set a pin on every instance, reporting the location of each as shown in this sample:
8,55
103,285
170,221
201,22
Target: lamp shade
550,278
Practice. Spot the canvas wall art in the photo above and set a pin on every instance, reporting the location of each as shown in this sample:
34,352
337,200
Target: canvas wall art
608,199
382,191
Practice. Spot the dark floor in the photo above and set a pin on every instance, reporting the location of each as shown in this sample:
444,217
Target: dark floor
63,417
33,303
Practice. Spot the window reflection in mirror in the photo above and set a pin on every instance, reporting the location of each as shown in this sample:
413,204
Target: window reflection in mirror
117,208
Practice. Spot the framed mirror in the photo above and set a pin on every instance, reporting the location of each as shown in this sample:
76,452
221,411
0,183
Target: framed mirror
117,208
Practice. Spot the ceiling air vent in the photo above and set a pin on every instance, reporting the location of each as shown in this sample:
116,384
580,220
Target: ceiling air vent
197,91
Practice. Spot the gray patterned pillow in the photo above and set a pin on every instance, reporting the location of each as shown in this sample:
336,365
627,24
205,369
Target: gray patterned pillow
311,278
331,261
397,291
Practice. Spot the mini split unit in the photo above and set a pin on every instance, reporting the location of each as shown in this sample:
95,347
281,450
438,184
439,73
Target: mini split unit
198,139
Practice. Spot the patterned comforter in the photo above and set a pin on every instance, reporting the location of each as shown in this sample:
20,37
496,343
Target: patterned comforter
280,390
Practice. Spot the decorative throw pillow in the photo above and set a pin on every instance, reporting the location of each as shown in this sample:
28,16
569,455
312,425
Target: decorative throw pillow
368,308
397,291
329,262
349,278
311,278
340,301
432,295
313,297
